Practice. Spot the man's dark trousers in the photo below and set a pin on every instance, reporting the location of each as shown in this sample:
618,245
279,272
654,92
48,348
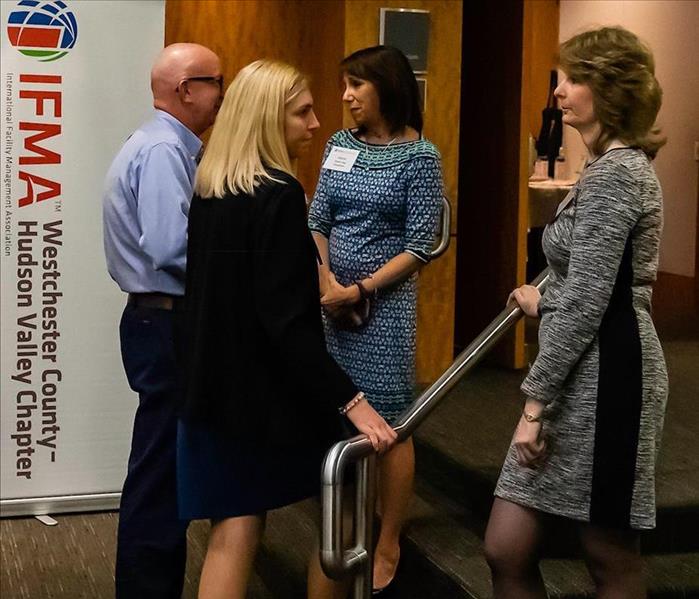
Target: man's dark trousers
151,545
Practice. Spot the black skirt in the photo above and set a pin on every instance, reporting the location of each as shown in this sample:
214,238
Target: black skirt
220,477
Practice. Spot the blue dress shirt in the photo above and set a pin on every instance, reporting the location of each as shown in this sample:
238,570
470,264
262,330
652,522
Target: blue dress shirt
145,207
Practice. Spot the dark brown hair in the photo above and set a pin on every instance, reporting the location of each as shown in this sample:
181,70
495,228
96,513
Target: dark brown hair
620,71
389,71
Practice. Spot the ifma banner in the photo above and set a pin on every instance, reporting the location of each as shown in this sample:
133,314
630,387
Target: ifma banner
74,86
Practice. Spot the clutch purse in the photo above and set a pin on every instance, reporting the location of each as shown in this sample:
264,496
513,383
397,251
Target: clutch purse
353,317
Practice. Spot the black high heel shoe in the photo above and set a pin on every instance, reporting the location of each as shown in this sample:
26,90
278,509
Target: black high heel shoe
389,590
386,592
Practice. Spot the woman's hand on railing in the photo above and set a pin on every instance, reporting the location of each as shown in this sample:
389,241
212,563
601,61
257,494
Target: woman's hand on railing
528,297
368,422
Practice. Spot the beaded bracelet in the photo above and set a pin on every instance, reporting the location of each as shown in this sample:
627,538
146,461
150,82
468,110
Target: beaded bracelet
363,293
351,403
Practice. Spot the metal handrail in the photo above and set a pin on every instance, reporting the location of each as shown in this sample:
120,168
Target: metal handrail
336,561
445,230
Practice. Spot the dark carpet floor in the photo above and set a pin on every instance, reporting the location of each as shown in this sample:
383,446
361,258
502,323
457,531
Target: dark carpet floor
75,559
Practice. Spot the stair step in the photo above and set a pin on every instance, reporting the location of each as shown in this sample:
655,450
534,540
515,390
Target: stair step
442,557
669,576
443,550
461,446
440,545
290,537
197,539
459,450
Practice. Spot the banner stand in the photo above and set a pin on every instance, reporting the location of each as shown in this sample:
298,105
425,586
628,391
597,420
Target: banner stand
41,506
74,84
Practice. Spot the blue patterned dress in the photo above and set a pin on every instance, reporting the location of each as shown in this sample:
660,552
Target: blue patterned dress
389,203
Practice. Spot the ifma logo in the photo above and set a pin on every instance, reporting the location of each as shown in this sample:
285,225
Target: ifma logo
43,30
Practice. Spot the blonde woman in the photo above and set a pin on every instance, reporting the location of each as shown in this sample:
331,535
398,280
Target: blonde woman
263,400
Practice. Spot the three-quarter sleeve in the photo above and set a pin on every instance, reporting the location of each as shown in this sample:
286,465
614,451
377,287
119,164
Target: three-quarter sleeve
319,214
608,207
424,206
286,299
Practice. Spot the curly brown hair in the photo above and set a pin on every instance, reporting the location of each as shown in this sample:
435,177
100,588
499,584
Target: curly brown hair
620,70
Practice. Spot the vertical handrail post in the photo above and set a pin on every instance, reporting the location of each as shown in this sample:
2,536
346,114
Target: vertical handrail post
364,524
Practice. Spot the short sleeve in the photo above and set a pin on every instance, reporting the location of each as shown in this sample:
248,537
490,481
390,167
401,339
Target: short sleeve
424,207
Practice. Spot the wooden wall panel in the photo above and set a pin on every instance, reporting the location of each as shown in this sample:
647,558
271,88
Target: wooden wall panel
675,313
306,33
541,51
696,251
315,35
539,57
443,71
322,43
435,316
436,300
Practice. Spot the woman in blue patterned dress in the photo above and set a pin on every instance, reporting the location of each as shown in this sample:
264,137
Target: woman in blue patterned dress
374,217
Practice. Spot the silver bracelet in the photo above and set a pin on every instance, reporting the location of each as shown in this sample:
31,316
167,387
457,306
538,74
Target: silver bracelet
352,402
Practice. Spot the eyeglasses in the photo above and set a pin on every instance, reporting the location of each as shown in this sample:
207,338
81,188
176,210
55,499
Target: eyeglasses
208,79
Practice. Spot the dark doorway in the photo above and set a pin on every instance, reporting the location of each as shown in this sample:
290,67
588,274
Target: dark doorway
489,157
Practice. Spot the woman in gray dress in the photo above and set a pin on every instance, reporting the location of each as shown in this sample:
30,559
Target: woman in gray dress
585,447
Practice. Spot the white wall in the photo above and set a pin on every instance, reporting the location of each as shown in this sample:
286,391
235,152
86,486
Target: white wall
671,28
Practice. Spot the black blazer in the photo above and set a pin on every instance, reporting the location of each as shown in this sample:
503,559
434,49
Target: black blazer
255,363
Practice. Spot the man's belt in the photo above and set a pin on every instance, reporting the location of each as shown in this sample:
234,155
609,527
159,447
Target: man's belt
162,301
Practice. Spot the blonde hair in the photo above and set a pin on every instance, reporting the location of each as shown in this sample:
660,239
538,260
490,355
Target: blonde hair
620,71
248,136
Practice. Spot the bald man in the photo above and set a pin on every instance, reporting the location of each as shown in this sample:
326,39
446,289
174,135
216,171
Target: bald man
145,206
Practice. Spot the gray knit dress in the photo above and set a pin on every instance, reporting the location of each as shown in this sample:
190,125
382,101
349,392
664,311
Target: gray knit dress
600,370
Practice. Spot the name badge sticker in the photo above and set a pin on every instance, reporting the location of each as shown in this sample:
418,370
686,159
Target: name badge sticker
341,159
